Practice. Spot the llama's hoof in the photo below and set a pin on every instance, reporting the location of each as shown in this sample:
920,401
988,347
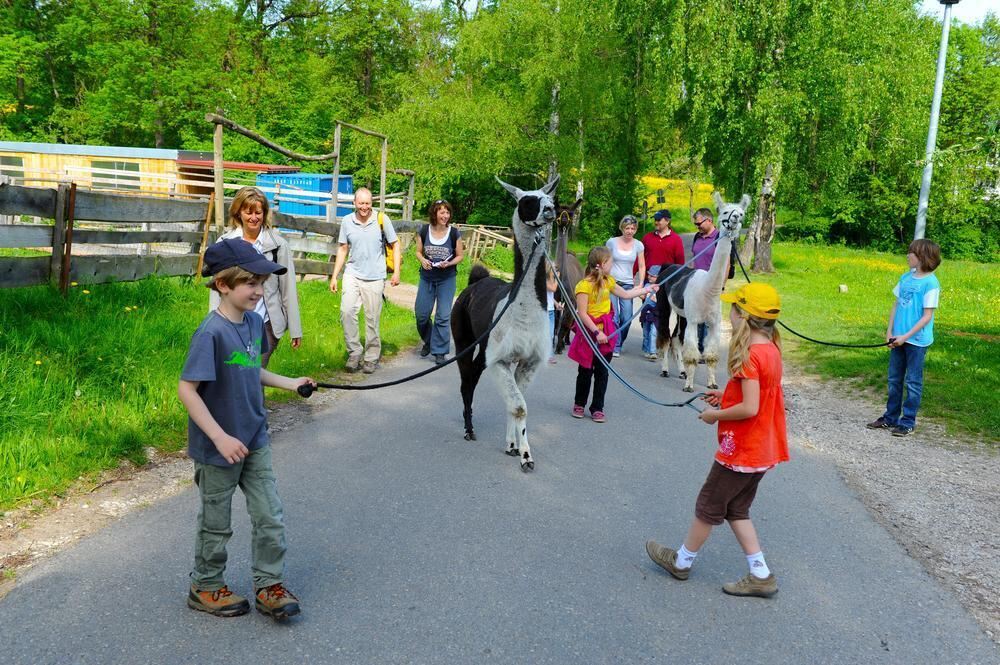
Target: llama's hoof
665,374
527,464
684,375
688,389
712,386
470,436
513,452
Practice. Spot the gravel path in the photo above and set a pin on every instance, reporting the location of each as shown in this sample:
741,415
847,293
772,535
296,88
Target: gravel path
936,495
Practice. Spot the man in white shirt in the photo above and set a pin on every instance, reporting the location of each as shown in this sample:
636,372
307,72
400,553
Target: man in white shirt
363,248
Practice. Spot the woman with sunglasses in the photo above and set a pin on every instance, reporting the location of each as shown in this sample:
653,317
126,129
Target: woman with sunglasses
439,250
628,269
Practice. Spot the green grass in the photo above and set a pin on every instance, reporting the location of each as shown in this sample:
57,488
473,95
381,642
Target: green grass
962,369
92,379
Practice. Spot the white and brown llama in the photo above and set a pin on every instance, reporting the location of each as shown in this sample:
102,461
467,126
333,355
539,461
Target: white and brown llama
694,296
519,345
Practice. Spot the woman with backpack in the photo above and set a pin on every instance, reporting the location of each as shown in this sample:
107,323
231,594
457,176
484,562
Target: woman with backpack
439,250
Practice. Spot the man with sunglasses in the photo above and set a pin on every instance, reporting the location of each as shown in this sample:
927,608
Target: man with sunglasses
706,237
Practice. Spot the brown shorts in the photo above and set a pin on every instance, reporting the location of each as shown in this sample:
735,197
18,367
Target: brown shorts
726,495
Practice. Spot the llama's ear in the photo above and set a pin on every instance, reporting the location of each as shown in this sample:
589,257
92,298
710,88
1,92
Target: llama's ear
514,191
745,202
576,205
551,187
717,198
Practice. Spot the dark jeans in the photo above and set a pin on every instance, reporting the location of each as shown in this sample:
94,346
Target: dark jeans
623,308
906,368
600,375
436,332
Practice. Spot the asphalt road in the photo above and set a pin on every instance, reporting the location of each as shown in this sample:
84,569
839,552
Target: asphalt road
408,544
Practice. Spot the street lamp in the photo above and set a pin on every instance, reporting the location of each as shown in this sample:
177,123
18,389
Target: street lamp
925,183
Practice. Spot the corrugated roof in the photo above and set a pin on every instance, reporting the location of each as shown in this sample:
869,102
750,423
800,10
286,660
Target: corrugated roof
88,150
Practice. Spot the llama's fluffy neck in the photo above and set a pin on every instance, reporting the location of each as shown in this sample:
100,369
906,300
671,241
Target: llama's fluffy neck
718,270
528,260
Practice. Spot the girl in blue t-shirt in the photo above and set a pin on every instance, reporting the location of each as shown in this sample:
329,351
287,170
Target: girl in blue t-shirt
909,334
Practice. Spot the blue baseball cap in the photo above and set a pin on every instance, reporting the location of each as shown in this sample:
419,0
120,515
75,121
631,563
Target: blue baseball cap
231,252
662,214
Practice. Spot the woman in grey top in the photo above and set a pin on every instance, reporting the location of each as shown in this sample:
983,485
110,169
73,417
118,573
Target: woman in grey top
626,252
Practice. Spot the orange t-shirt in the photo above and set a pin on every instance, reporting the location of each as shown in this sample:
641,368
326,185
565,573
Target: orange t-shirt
761,441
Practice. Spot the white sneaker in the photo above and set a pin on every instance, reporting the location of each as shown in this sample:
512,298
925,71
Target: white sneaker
616,355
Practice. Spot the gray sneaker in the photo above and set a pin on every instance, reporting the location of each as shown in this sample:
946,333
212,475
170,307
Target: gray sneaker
753,586
352,366
666,559
899,430
369,367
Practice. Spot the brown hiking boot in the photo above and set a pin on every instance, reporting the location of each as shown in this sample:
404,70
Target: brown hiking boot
666,559
221,602
277,601
753,586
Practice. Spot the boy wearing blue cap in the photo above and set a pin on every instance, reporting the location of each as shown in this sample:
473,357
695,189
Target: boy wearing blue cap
228,439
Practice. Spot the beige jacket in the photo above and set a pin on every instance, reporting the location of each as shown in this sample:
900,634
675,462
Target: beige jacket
280,293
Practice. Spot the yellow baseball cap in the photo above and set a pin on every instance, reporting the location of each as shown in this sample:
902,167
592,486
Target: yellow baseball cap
756,299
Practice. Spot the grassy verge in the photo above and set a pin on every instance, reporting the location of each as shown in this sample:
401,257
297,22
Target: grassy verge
92,379
962,370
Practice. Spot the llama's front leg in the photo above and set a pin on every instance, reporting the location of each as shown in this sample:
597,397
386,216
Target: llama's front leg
503,374
711,354
690,355
525,372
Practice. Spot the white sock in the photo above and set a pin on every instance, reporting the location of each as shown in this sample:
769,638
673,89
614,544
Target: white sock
685,558
758,567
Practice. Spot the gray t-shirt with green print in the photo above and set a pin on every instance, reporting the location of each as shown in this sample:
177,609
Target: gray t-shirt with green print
224,358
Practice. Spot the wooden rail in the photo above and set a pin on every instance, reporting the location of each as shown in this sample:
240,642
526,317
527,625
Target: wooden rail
181,222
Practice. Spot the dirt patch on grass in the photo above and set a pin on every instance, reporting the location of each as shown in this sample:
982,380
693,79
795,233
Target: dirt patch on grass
983,336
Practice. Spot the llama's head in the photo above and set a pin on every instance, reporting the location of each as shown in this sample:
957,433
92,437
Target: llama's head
536,208
566,215
731,215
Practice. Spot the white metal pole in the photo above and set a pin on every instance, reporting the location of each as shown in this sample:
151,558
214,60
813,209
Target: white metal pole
925,183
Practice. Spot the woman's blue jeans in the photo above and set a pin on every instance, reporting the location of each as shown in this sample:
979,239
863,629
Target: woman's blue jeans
442,295
623,312
906,370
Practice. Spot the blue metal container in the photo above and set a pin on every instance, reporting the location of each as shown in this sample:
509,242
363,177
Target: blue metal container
299,186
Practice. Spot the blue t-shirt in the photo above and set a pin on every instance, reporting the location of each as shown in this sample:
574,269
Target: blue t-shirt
225,360
913,294
366,257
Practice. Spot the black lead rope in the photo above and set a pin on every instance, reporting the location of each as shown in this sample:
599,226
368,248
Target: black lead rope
306,390
810,339
598,357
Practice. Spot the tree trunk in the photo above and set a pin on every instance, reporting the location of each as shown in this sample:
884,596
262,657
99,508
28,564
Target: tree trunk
554,130
764,223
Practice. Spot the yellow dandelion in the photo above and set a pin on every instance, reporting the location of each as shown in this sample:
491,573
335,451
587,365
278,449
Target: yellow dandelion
20,479
38,362
86,292
128,309
73,284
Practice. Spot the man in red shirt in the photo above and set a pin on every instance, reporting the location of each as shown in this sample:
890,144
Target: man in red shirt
662,245
659,246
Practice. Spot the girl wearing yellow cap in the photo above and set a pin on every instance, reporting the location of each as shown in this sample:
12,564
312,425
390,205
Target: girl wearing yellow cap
752,440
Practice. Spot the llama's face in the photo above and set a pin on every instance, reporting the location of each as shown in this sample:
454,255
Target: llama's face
536,208
731,215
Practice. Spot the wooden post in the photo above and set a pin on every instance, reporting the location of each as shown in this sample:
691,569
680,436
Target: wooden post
220,194
58,233
381,187
410,201
331,213
68,244
204,236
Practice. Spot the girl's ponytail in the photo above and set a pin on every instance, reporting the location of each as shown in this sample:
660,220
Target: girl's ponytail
596,258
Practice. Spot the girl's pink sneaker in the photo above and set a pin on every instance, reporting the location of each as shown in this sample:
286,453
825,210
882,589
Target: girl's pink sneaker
577,411
598,416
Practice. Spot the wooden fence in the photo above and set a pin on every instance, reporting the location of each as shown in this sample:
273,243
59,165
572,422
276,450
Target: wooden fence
183,226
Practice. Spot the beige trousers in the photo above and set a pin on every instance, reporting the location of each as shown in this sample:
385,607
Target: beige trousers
358,293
